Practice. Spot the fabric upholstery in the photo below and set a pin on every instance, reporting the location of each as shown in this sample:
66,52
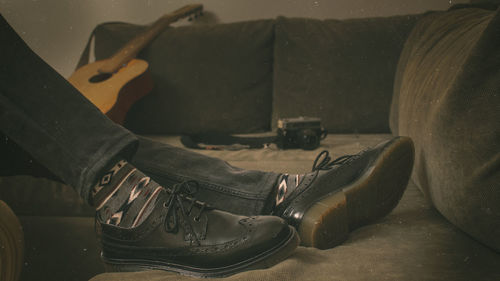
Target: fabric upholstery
340,71
447,99
207,77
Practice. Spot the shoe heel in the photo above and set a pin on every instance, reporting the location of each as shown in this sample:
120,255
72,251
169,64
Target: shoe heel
326,223
378,194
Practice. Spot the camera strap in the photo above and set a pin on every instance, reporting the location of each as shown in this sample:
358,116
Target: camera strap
219,141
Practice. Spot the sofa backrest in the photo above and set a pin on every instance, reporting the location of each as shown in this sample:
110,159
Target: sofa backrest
242,77
206,77
340,71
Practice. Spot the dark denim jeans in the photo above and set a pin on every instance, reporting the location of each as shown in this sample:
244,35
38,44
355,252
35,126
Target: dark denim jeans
49,129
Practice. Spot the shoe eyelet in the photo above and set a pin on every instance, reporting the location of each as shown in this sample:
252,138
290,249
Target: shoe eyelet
196,219
164,204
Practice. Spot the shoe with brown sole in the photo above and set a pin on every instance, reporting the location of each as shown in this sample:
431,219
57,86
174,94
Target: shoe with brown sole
349,192
189,237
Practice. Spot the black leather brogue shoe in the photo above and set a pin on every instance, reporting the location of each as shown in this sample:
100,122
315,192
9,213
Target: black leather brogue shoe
346,193
186,236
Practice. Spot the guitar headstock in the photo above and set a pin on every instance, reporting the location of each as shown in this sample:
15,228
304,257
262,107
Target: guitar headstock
191,10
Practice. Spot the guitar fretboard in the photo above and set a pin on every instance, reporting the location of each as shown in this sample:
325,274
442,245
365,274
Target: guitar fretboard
133,47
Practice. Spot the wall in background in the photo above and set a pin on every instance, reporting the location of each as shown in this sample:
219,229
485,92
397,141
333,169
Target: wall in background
58,30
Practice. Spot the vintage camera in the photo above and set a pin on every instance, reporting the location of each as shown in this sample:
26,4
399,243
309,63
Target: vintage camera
301,132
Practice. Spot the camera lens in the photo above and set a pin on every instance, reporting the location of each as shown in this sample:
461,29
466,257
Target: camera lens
309,140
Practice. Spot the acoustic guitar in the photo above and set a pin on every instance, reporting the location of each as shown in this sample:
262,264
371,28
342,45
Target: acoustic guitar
115,84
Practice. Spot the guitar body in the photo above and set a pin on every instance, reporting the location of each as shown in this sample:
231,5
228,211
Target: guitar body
116,83
115,93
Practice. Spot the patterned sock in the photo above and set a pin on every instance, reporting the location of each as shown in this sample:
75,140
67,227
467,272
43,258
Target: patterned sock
124,196
286,185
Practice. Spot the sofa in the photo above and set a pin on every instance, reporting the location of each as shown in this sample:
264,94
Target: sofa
434,77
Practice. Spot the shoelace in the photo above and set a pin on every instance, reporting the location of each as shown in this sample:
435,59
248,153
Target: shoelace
178,194
324,162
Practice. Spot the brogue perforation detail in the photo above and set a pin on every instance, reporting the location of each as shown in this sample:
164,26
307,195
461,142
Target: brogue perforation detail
224,246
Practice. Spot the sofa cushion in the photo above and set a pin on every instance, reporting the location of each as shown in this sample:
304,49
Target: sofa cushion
447,99
206,77
340,71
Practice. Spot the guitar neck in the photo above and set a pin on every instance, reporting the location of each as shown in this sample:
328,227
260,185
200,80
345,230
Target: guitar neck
133,47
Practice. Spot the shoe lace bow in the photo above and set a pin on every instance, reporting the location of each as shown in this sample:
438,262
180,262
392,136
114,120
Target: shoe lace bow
324,162
176,204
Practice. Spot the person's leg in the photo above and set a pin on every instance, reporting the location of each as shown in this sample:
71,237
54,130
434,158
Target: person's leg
222,185
34,95
336,197
55,125
227,187
47,117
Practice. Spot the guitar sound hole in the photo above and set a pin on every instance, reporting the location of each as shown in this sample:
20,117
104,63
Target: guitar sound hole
100,77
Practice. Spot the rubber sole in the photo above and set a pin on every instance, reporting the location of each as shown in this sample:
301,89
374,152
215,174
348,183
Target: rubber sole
264,260
328,222
11,244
